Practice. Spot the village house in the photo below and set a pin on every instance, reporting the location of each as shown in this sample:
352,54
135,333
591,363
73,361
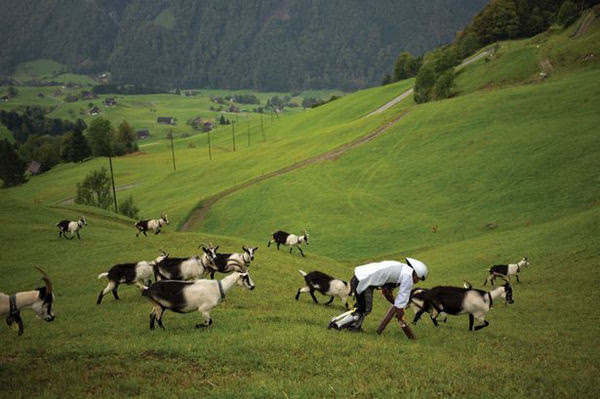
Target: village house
94,111
165,120
142,134
109,102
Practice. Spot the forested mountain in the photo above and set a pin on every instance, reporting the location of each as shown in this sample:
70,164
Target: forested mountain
258,44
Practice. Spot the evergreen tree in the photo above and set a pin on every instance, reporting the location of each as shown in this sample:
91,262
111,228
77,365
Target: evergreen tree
12,167
443,85
126,137
99,135
567,14
74,147
387,79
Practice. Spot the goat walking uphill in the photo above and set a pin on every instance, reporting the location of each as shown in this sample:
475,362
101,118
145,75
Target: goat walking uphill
139,273
227,263
39,300
191,268
188,296
152,224
326,285
505,271
290,240
456,300
70,226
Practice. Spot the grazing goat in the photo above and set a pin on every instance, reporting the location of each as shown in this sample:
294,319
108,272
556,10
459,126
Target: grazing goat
326,285
416,303
187,296
456,300
226,263
139,273
291,240
505,271
152,224
191,268
39,300
70,226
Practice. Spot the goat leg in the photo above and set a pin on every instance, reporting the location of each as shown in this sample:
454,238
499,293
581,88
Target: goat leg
330,300
301,252
471,320
312,294
484,325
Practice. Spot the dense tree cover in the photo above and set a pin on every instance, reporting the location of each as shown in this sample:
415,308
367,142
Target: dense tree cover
33,121
12,167
43,149
105,141
74,147
257,44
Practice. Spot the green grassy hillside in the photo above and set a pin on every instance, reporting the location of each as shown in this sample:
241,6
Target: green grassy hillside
500,173
286,140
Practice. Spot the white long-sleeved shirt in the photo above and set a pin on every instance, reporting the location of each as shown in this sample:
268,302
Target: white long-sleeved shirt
386,272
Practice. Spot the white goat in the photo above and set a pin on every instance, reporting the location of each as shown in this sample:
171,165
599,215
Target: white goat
139,273
151,224
191,268
39,300
70,226
291,240
226,263
188,296
326,285
505,271
456,300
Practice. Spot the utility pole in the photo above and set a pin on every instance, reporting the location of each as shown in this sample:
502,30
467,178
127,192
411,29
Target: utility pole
262,127
170,136
248,120
209,151
112,178
233,134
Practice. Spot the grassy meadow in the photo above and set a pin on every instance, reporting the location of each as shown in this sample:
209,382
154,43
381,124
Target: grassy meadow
506,169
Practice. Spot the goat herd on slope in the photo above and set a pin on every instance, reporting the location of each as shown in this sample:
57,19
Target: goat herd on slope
180,284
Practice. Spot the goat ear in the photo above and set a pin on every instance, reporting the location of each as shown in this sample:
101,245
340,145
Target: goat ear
244,248
255,249
217,247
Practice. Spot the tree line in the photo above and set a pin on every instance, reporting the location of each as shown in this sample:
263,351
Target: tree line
100,138
499,20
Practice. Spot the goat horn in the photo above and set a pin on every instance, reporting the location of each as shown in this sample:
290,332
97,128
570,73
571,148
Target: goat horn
46,279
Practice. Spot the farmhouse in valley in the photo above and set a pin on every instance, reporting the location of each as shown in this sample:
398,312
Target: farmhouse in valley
142,134
165,120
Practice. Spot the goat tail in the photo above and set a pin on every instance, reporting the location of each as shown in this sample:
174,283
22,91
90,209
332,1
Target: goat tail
302,272
467,285
102,275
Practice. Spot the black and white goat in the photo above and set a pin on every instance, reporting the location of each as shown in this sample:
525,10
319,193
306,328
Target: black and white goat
39,300
417,303
326,285
139,273
191,268
151,224
505,271
291,240
188,296
226,263
456,300
69,226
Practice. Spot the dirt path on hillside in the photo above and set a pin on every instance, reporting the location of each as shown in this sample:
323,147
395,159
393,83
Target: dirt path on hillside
120,188
198,214
585,24
391,103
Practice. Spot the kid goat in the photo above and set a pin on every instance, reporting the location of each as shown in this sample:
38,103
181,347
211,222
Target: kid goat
153,224
191,268
40,300
326,285
291,240
226,263
505,271
139,273
187,296
70,226
456,300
